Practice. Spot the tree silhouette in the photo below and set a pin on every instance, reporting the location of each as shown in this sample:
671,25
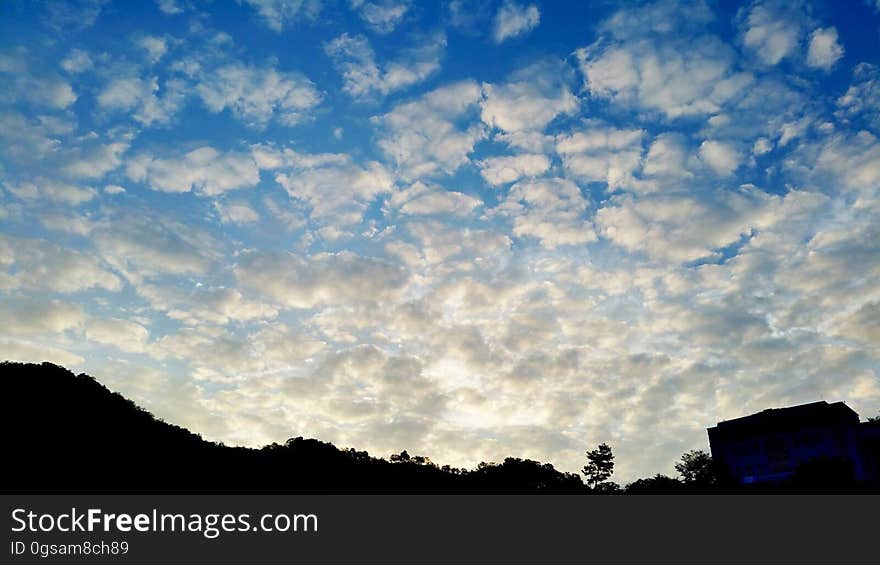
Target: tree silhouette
656,484
57,416
608,487
600,465
522,475
696,469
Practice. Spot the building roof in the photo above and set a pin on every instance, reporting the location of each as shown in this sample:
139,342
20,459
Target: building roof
774,420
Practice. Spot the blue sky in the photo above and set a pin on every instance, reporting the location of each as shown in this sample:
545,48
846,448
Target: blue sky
465,229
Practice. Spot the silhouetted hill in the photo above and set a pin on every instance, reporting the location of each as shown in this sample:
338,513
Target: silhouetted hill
69,433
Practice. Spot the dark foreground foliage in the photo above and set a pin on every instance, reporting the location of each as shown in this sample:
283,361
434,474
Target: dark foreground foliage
68,433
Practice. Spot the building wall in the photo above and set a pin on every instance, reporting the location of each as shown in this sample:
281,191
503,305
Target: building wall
870,450
777,456
751,456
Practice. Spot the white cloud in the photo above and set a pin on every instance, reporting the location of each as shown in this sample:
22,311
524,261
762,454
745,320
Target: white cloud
54,191
439,249
277,14
291,219
170,7
863,325
67,223
666,159
204,170
323,279
143,244
853,161
203,304
427,136
219,356
550,210
723,158
144,98
336,189
68,17
95,160
824,50
511,168
34,264
862,99
236,213
382,16
681,227
441,202
31,139
22,85
257,95
513,20
29,316
421,199
530,99
602,154
762,146
156,47
773,30
24,352
658,18
122,334
674,76
528,141
77,61
363,76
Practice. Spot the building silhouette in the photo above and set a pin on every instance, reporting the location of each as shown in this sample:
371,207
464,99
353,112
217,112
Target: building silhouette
783,445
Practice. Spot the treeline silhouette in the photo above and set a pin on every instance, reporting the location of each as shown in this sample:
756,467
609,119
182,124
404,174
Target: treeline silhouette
67,433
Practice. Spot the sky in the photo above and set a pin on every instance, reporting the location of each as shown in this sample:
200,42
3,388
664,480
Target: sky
469,230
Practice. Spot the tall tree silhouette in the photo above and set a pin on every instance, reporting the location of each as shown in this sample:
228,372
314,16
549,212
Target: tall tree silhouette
600,465
696,469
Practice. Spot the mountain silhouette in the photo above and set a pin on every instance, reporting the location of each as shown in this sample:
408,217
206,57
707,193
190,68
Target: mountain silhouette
68,433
